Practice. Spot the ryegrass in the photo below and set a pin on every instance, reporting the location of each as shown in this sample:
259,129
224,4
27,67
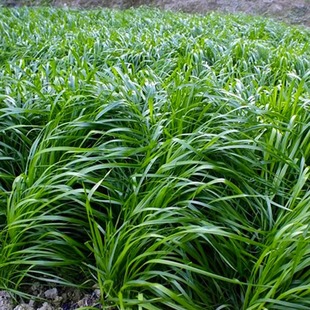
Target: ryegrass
163,156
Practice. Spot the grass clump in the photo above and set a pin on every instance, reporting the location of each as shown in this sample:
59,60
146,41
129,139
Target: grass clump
163,156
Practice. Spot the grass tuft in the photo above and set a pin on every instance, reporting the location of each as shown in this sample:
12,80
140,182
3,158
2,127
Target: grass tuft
163,156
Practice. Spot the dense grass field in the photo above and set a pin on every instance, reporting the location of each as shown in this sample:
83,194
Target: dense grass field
163,157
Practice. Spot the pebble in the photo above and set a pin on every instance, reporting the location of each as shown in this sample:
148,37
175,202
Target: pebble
46,306
68,299
51,293
23,307
5,301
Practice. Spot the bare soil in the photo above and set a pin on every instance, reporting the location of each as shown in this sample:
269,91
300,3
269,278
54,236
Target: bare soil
291,11
52,299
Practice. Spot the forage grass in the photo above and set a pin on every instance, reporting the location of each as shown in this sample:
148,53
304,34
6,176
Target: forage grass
162,156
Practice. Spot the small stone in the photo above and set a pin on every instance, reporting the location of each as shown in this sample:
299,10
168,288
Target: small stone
5,301
31,303
24,307
57,301
46,306
51,293
85,302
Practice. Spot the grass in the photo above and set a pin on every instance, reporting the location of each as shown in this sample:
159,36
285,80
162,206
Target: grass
162,156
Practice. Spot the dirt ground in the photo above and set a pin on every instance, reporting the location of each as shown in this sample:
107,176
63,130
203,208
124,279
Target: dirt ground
291,11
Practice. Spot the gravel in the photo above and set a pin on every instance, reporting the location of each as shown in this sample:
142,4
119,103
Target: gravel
52,299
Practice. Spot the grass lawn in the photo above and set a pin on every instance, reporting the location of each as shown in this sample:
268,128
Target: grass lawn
161,156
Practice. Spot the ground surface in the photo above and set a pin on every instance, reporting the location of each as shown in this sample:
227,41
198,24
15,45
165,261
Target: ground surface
54,299
296,12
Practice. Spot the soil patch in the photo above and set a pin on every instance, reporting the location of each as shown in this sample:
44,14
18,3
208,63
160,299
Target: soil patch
294,12
52,299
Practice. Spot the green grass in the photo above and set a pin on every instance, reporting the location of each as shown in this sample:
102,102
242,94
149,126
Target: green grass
163,156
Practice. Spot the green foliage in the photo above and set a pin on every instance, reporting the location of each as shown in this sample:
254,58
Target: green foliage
161,155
